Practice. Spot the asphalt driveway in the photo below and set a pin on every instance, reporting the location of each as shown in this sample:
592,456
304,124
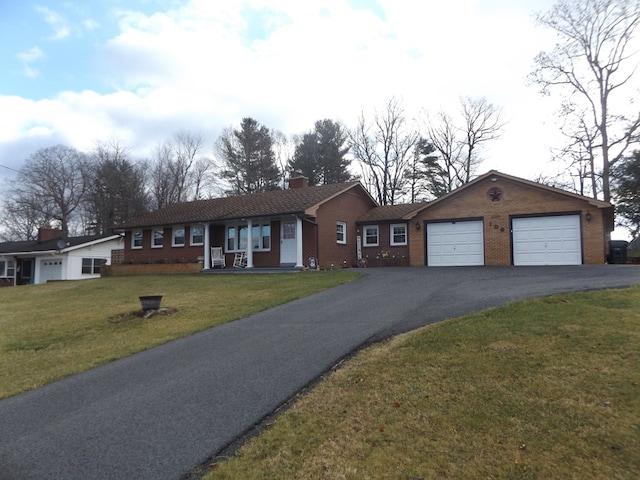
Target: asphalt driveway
158,414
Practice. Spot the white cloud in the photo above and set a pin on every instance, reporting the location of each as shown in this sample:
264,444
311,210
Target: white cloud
58,23
205,65
27,58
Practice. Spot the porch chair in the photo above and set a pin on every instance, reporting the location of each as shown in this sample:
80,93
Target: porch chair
217,257
240,260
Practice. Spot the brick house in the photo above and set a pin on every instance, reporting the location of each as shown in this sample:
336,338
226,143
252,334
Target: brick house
282,228
496,219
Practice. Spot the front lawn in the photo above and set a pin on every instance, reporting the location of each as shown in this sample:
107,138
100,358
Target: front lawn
51,331
541,389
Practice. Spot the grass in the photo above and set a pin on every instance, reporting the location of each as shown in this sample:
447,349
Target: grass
540,389
51,331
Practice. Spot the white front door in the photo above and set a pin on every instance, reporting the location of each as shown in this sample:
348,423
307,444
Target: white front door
288,242
552,240
455,243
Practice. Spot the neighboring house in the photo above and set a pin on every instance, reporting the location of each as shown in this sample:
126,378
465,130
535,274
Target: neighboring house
55,257
496,219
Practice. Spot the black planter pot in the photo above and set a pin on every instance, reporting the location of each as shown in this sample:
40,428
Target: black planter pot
150,302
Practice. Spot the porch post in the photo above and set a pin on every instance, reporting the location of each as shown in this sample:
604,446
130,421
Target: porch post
207,247
299,263
249,244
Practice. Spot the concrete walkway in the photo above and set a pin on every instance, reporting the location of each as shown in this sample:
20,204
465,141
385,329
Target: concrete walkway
158,414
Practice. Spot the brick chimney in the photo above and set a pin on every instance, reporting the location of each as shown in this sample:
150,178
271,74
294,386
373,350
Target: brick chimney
299,181
48,233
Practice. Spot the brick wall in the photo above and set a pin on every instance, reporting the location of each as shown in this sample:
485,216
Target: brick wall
384,255
344,208
517,199
154,269
165,254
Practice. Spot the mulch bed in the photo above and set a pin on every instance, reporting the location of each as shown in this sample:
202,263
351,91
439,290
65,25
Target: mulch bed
141,315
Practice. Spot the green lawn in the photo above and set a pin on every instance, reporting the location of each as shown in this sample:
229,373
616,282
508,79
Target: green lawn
541,389
51,331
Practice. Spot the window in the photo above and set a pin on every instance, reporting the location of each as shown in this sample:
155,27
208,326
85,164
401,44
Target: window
260,237
157,238
91,266
197,235
370,237
178,238
7,269
136,239
398,234
341,232
231,239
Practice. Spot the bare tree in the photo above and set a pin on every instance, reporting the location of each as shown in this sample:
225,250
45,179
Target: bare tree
22,217
52,185
591,63
384,149
179,173
483,123
459,140
282,150
444,136
579,155
161,183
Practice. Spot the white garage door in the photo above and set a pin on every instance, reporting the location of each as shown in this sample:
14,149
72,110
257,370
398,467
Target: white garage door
547,240
455,243
50,270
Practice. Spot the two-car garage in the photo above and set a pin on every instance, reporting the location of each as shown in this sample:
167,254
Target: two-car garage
535,240
497,219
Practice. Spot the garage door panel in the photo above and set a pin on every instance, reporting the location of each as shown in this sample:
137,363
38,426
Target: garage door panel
455,243
551,240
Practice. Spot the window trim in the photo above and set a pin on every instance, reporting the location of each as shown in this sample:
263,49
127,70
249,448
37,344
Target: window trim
133,239
173,236
191,228
153,237
240,231
342,241
8,268
392,242
96,264
365,243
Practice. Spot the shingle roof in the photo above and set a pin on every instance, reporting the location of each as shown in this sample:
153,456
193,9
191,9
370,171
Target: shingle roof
47,245
277,202
390,212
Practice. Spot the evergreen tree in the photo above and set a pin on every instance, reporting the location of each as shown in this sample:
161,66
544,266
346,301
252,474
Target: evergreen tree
248,158
320,155
626,184
116,190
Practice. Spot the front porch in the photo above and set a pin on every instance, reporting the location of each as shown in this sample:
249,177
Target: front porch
274,243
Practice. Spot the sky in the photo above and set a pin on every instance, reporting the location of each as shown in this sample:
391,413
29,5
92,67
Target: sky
139,71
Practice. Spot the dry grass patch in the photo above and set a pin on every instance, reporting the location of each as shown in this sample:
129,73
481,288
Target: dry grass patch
542,389
54,330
